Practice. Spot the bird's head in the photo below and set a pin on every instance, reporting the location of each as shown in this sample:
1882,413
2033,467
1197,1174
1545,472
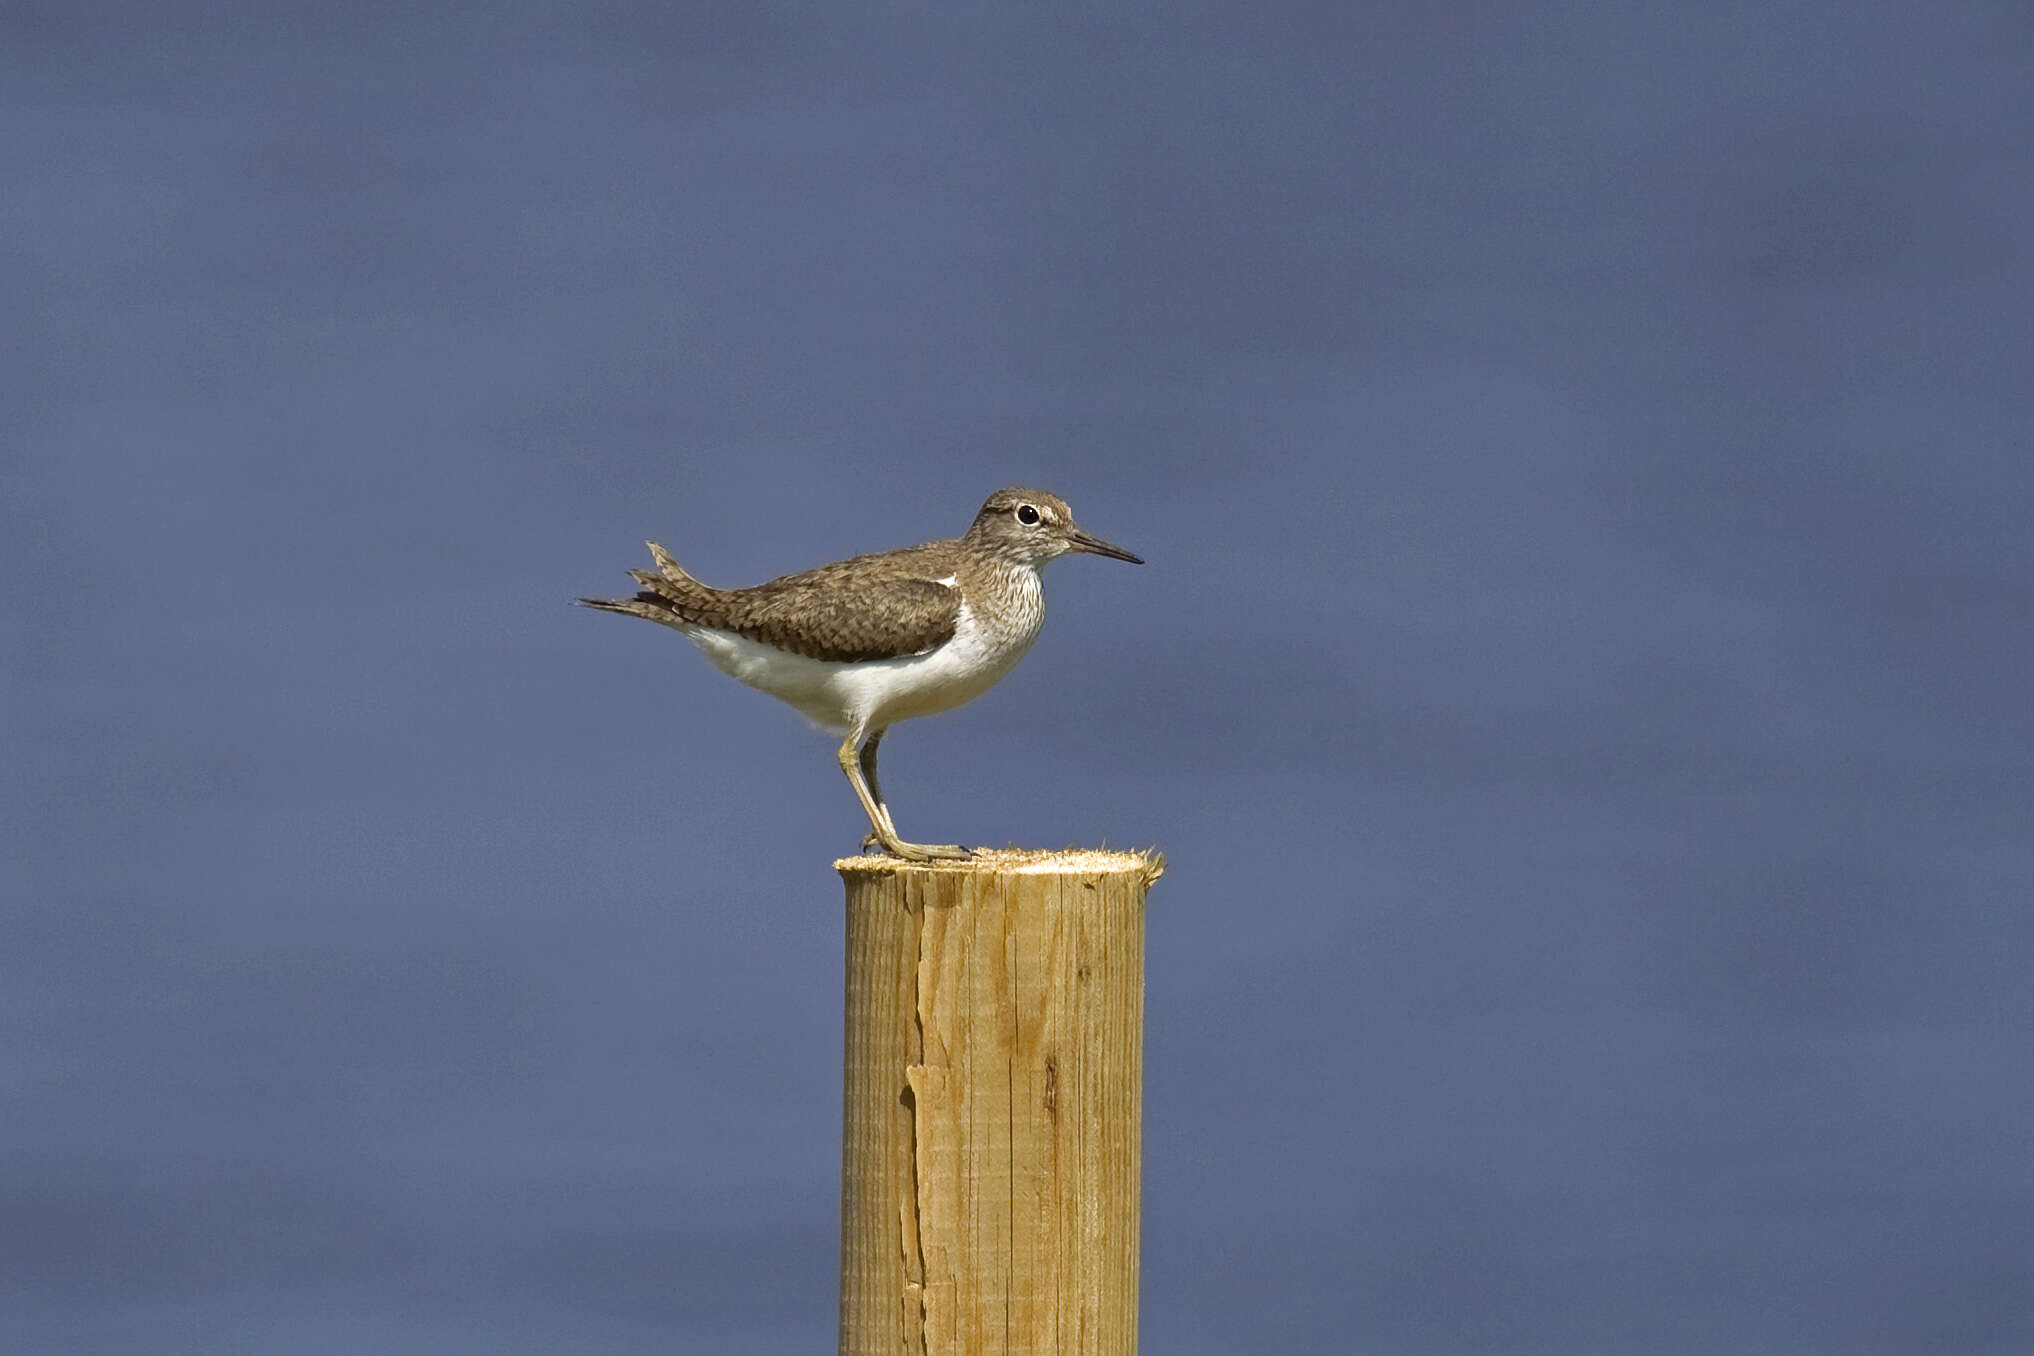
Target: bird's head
1034,526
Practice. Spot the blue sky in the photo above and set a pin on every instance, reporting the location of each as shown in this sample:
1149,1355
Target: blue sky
1580,681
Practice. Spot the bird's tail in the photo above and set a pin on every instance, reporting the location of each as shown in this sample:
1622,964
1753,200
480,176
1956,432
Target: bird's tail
669,596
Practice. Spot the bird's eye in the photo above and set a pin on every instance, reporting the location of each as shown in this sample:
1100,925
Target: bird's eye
1027,515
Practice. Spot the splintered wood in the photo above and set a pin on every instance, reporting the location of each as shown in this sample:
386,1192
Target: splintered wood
989,1183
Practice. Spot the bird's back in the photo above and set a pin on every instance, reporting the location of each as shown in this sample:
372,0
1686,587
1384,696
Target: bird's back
869,607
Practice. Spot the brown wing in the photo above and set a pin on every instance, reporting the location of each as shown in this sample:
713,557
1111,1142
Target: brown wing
839,614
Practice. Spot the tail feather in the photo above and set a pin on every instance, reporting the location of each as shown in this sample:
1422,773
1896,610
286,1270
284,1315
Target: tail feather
669,596
644,605
671,569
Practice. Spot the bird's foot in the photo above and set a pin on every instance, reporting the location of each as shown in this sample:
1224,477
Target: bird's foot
916,852
929,852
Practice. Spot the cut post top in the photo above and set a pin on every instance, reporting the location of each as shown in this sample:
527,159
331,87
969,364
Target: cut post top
1025,861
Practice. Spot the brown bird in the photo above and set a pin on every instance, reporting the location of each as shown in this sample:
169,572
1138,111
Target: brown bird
864,643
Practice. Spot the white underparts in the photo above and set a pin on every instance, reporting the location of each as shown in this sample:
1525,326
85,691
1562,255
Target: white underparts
874,694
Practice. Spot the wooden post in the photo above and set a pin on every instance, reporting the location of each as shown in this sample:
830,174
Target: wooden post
989,1180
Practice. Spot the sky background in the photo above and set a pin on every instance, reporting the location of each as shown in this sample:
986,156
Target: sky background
1585,456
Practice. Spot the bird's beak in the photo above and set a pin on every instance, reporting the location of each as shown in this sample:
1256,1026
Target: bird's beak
1095,546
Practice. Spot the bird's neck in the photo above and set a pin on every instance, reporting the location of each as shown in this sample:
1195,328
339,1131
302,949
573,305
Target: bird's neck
1008,597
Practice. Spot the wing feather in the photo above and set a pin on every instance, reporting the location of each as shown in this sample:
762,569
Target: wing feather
826,615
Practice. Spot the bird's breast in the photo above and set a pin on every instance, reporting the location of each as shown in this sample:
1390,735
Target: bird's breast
995,627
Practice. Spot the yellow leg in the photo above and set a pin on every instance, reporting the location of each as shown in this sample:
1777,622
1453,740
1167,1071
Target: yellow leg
868,761
879,818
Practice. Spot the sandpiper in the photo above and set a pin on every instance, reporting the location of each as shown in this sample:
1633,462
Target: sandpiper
864,643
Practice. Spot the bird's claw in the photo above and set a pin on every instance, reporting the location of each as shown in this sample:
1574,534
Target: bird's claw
917,852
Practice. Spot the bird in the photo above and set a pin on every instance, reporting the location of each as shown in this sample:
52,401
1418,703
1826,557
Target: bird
861,644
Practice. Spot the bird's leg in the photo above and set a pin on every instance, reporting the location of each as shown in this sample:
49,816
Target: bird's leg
868,761
886,836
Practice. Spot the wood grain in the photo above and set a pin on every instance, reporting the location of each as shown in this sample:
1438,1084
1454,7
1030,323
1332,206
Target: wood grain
994,1062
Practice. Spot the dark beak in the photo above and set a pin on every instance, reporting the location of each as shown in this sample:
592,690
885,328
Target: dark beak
1095,546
